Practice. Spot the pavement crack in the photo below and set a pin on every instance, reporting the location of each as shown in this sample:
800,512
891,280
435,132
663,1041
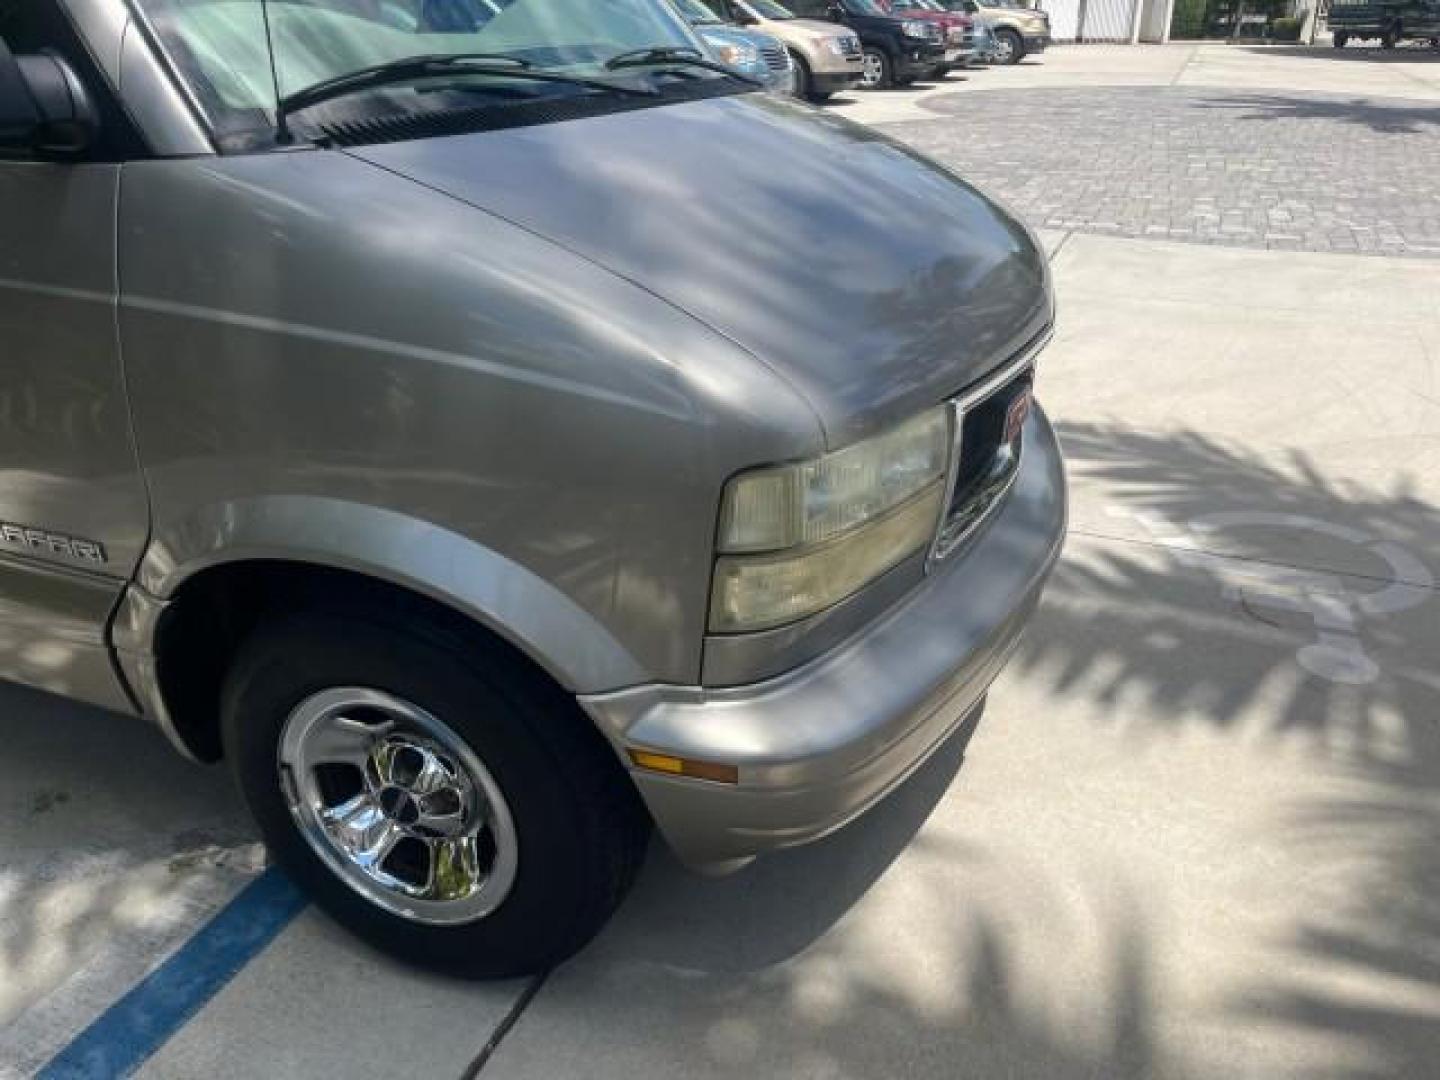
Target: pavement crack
503,1028
1250,610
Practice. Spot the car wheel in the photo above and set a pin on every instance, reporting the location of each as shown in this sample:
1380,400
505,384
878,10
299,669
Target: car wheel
879,73
819,97
1009,46
432,792
1390,38
1340,40
800,84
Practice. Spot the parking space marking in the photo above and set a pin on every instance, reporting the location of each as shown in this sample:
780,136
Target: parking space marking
1336,609
159,922
136,1026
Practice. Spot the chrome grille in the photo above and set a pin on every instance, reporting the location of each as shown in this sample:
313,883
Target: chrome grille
986,456
776,58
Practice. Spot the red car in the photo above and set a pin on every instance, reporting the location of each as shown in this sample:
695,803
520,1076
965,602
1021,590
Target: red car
957,29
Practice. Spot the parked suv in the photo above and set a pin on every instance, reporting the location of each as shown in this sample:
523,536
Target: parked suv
1019,30
826,57
956,29
897,50
442,442
760,56
1386,21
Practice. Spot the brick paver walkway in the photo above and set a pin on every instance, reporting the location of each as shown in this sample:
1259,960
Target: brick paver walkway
1258,169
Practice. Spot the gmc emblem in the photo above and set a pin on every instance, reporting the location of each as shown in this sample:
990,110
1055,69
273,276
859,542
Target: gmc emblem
1016,414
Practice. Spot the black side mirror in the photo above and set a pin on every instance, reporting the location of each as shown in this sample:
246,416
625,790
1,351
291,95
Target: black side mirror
835,13
44,106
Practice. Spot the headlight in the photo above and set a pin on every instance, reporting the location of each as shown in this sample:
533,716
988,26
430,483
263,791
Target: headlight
738,56
797,539
840,46
915,28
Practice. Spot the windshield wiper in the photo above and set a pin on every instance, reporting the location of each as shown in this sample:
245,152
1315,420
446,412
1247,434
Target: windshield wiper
502,65
673,56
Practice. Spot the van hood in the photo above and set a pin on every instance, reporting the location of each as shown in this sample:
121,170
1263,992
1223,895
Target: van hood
871,279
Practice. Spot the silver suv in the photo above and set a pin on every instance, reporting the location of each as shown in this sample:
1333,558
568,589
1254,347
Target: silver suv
827,58
427,412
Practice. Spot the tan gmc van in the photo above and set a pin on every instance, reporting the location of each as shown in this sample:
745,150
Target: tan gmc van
424,410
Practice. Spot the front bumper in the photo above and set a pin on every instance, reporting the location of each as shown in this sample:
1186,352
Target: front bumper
957,56
917,61
828,82
819,745
1037,43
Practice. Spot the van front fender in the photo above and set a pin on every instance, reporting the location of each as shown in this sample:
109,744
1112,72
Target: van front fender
497,592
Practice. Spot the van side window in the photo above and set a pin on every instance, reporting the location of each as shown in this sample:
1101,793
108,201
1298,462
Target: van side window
31,26
811,9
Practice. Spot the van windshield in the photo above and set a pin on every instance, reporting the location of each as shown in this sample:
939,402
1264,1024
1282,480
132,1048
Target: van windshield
222,49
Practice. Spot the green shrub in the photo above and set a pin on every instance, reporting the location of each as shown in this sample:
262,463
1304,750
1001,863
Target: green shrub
1286,29
1188,20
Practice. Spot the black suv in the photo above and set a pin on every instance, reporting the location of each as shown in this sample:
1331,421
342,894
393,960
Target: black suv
897,50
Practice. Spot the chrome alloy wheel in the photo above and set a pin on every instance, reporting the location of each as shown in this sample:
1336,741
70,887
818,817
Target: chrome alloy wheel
398,806
1005,48
874,70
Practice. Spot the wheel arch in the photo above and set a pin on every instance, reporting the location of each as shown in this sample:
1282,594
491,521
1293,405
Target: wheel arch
203,584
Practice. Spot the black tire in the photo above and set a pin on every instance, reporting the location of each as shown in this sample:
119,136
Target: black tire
581,828
887,69
801,88
1016,43
1341,39
1391,37
819,97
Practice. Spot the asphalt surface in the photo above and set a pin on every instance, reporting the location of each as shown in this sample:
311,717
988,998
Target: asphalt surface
1196,833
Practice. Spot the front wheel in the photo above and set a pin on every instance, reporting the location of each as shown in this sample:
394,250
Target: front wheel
800,76
879,72
1009,46
1390,38
433,793
1341,39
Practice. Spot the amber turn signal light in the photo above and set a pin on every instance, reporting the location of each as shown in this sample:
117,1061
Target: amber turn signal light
698,770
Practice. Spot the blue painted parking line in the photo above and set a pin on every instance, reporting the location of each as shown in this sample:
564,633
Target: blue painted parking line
130,1031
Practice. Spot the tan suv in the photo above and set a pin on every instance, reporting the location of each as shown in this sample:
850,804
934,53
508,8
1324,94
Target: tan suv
828,58
1018,28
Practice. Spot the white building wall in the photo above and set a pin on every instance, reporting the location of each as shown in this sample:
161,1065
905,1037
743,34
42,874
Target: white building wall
1155,23
1105,20
1063,17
